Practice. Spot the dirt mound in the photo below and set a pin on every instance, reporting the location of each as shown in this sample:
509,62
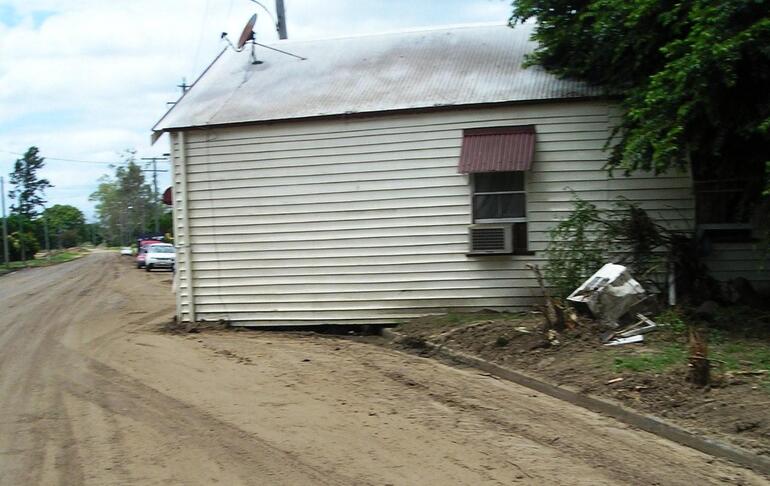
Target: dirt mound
650,377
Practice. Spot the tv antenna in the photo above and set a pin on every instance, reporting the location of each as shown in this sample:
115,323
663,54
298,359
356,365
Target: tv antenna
248,36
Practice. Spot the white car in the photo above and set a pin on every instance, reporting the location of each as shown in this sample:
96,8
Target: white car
126,250
160,255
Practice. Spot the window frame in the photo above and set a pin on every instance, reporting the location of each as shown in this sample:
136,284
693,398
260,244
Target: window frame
514,222
497,220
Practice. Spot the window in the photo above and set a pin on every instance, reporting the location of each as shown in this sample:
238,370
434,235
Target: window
497,160
726,200
499,197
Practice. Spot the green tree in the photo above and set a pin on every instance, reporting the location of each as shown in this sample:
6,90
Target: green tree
692,76
167,222
22,230
27,194
22,246
27,197
66,224
124,202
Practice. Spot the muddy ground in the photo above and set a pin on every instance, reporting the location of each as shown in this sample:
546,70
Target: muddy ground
93,391
734,409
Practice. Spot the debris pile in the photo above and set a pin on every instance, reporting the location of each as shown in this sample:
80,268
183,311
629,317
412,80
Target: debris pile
611,295
630,334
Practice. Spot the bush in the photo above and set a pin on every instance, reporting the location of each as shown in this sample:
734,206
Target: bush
70,238
625,234
30,243
575,251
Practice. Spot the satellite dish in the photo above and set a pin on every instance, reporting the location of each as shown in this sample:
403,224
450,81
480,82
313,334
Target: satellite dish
248,32
249,37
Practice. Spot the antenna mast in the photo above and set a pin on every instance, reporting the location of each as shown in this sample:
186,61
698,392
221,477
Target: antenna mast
281,24
249,37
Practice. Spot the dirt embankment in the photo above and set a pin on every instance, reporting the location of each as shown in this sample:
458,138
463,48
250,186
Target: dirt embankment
649,377
93,393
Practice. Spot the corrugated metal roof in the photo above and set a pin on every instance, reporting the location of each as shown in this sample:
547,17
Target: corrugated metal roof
497,150
408,70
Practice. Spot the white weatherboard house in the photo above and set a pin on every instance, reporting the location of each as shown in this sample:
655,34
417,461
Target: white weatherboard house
384,177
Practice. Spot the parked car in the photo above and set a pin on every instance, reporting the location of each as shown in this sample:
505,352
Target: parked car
126,250
161,255
141,252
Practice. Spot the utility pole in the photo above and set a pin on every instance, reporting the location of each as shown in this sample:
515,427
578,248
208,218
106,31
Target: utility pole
21,234
184,86
155,171
47,240
281,14
6,257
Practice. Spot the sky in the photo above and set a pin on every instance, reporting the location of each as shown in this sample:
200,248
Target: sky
85,80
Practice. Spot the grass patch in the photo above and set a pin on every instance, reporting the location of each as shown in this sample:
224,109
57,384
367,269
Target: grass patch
739,347
741,355
672,320
58,257
657,361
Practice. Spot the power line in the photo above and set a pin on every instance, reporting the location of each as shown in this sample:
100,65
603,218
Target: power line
269,13
200,37
59,159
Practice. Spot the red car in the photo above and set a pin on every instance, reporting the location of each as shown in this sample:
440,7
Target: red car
140,254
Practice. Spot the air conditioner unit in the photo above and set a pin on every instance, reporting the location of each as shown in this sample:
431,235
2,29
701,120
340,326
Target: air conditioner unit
490,238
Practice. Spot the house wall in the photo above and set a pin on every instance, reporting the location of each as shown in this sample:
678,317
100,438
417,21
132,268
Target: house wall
364,220
748,260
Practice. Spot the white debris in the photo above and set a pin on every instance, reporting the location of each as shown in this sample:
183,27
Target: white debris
633,339
609,293
642,326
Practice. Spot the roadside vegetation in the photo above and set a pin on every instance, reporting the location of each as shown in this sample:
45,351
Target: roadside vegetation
732,350
127,207
31,226
54,258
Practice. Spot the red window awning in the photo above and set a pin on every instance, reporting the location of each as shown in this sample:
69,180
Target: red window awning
497,149
168,197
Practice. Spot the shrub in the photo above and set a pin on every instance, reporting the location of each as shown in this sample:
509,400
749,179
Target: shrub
575,251
625,234
15,241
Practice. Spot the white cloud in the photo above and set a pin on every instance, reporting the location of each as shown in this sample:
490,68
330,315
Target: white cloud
86,79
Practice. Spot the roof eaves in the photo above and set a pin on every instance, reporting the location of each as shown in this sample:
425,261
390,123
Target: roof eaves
362,114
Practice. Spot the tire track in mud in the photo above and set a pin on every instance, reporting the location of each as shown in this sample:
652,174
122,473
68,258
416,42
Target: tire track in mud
55,389
80,402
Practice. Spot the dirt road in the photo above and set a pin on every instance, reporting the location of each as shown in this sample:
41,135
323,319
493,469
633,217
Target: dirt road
92,393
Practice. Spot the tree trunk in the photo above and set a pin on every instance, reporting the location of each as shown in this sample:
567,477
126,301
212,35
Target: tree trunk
700,372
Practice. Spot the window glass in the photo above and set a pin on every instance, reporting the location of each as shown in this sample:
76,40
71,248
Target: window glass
499,206
498,181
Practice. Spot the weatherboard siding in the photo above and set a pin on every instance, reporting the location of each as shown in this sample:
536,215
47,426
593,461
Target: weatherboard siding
747,260
365,220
